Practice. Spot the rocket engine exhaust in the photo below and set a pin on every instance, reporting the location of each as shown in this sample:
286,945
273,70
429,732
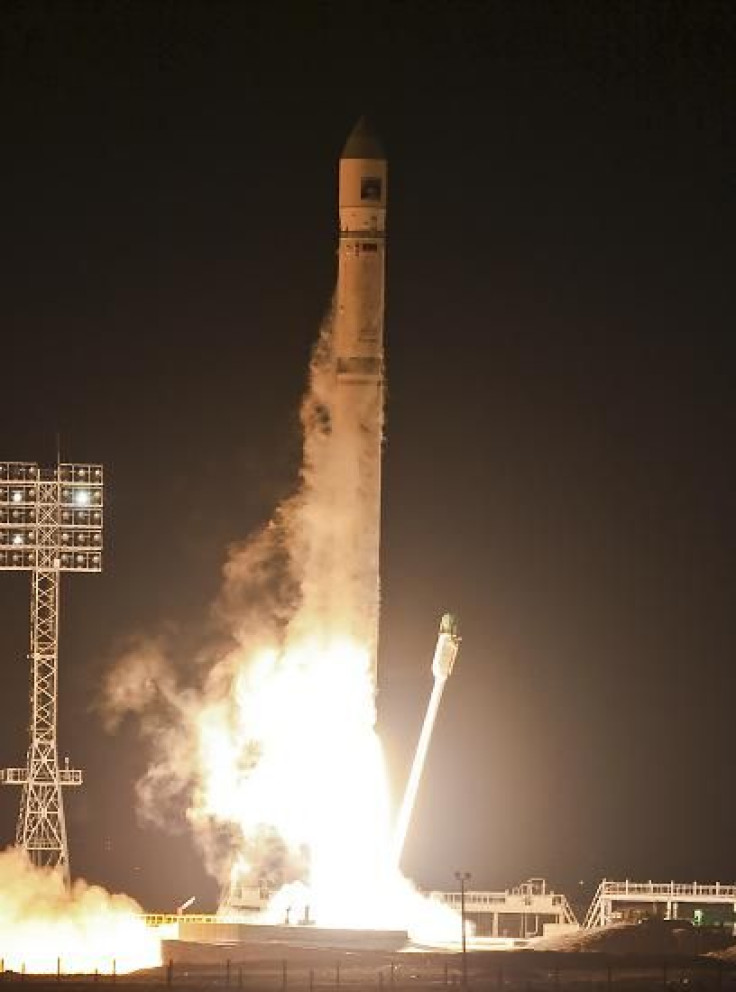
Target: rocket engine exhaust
445,654
274,749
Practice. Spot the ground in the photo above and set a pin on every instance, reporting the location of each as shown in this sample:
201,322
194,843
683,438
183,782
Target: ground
280,969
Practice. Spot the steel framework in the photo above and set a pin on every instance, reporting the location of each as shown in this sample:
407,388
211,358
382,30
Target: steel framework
671,896
526,910
50,522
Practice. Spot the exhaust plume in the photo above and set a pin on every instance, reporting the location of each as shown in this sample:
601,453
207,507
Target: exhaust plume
272,753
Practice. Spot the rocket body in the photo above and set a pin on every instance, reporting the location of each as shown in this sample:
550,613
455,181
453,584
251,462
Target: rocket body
358,354
324,547
361,275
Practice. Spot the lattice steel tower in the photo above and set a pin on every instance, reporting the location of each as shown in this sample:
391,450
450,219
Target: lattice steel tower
50,522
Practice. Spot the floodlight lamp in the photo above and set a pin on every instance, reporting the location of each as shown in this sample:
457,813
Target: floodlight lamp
17,496
81,497
17,538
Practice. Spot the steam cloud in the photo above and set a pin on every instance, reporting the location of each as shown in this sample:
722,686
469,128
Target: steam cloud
45,926
272,756
307,578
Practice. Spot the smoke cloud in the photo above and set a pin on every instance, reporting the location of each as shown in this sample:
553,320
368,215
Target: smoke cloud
291,595
269,750
44,926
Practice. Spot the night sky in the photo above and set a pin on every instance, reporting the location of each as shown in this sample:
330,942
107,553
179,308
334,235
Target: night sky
559,465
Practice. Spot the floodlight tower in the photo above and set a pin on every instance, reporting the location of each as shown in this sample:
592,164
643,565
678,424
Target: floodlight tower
50,522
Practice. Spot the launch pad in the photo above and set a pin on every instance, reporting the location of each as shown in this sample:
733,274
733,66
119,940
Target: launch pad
205,943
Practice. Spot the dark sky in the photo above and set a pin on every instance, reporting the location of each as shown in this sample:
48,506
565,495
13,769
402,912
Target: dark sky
560,460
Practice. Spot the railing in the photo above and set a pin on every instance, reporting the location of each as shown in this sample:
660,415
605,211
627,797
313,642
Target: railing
13,776
517,902
19,776
164,919
608,892
690,889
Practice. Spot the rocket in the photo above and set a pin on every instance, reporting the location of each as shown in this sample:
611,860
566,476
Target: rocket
358,352
361,274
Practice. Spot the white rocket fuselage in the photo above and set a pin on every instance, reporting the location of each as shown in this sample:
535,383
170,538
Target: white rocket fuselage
359,356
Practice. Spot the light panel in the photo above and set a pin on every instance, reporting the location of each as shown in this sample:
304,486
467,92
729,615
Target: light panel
51,518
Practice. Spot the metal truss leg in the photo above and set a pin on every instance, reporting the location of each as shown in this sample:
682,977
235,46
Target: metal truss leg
41,828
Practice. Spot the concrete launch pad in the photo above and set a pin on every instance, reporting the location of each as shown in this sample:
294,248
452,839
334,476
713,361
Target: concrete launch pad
205,943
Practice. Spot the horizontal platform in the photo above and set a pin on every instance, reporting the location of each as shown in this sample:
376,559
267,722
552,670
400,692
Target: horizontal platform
614,899
214,932
19,776
665,891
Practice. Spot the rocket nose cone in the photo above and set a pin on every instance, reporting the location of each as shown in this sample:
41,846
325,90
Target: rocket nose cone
363,142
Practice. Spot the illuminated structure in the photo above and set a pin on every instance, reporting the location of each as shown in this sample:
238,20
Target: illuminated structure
616,901
529,910
50,522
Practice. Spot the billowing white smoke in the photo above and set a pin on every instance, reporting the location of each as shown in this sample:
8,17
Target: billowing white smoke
272,752
44,926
